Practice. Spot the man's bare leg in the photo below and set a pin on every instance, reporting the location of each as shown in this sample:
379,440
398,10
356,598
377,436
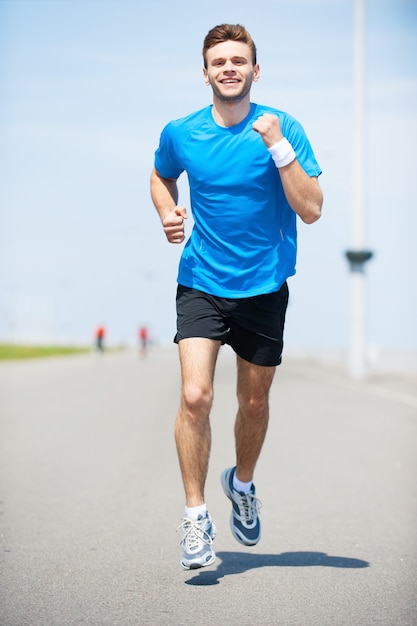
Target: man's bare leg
253,386
192,427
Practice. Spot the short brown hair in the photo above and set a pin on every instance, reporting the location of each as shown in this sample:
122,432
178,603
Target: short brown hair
228,32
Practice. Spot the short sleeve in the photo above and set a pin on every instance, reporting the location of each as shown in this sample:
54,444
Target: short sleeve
167,159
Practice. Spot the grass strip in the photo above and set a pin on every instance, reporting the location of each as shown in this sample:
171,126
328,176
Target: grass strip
14,352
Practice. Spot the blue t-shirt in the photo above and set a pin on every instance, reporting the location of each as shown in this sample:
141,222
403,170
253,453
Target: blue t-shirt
244,239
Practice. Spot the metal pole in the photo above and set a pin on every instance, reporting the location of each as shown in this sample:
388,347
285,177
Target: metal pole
357,256
359,127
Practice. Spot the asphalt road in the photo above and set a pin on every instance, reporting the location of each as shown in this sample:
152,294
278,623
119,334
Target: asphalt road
91,497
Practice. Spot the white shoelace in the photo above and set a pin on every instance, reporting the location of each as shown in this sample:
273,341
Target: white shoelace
193,533
249,505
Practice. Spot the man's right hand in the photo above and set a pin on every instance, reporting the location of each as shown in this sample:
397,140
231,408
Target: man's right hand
173,225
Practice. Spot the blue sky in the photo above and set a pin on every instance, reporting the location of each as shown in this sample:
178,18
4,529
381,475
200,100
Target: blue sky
86,88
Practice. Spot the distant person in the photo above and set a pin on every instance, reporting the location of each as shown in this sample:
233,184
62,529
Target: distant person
100,336
251,171
143,339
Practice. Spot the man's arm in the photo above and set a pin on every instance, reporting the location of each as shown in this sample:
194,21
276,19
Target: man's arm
301,190
164,193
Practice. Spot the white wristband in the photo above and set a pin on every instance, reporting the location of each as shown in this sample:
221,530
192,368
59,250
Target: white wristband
282,153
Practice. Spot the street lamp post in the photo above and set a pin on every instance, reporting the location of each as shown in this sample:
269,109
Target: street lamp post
358,255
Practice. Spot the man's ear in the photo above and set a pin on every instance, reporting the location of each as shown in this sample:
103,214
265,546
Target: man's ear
206,78
256,73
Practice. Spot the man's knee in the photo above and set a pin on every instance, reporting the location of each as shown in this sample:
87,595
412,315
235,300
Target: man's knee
197,399
254,405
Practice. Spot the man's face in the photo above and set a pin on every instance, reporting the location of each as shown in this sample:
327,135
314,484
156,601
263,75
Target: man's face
230,71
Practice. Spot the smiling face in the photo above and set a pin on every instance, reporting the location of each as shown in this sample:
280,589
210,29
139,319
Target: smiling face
230,70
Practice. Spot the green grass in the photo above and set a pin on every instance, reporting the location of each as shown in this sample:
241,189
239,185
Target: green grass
13,352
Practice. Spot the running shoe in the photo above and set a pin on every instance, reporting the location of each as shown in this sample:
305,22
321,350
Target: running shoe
196,542
244,519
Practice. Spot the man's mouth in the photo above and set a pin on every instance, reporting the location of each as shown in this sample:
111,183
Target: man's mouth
229,81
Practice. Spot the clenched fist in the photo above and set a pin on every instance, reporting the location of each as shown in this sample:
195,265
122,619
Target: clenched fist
269,128
173,225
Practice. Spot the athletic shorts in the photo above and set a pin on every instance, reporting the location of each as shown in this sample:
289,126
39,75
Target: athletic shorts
253,326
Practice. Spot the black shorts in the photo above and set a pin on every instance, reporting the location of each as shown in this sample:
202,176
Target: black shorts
253,326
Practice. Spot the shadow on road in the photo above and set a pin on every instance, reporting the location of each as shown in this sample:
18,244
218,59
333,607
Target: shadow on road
239,562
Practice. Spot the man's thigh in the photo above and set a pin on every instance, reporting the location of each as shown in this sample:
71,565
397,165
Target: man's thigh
253,381
198,357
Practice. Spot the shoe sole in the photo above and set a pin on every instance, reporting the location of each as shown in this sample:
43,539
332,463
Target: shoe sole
198,565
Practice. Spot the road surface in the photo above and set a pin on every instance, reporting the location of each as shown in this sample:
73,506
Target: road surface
91,498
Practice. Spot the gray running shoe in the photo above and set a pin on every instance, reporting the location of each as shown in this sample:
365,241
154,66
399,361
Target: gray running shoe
244,519
196,542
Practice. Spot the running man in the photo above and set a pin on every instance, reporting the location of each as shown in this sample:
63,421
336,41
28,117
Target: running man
251,171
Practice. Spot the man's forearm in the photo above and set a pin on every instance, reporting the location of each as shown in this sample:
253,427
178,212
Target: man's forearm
302,191
164,193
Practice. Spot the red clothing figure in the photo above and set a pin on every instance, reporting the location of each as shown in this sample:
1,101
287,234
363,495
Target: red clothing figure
100,335
143,338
